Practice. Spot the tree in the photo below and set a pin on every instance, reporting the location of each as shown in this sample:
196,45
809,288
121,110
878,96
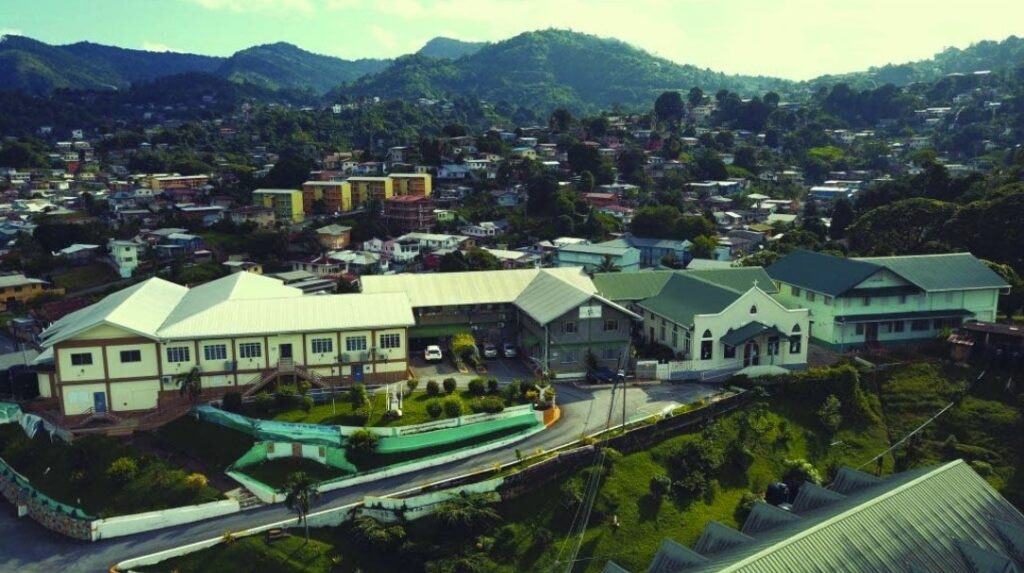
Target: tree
607,265
669,107
541,193
830,413
468,511
560,120
810,220
301,492
190,384
586,184
290,171
842,217
583,157
689,227
363,441
695,96
908,227
703,247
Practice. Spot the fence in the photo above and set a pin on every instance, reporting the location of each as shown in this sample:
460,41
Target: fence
441,424
263,451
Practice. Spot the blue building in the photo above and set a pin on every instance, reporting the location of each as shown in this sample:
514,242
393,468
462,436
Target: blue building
592,257
653,250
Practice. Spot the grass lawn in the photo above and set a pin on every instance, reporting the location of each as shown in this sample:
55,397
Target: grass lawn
254,554
342,412
216,447
275,472
78,474
88,276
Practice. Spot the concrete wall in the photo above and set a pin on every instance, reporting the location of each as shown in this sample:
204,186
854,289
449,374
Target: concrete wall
149,521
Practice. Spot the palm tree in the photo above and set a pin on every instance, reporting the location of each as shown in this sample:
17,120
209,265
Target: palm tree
469,511
301,493
190,384
607,266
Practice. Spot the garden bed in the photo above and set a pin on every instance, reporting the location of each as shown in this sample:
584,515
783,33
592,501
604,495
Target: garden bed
274,473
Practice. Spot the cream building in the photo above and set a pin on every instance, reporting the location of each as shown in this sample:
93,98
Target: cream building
122,354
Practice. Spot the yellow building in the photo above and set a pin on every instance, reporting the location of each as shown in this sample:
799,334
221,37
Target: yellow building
366,189
286,203
123,354
412,183
20,289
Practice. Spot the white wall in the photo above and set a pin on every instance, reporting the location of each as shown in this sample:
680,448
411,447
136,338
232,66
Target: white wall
140,522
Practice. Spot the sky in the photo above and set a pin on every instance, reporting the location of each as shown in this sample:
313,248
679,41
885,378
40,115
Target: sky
795,39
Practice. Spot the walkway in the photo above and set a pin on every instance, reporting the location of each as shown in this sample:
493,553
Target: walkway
27,547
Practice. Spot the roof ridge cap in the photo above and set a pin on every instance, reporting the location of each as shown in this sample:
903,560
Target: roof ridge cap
707,282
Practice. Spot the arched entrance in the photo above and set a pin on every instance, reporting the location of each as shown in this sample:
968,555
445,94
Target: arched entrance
751,354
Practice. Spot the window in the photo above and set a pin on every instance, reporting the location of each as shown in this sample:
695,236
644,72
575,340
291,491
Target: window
847,302
811,296
730,351
794,290
885,327
570,356
675,339
81,359
796,328
323,345
903,299
706,349
177,354
393,340
662,333
611,325
794,344
753,309
898,326
707,334
773,346
867,301
131,356
215,352
919,325
938,323
250,350
569,327
355,343
860,329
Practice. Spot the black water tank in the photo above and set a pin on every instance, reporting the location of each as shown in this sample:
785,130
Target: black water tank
777,493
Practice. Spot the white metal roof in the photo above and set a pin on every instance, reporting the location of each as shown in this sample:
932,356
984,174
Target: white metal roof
478,287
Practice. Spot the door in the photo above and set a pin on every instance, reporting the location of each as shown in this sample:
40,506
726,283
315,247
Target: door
871,332
357,372
99,402
285,350
751,354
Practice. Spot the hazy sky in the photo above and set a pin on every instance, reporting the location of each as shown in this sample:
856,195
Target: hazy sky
796,39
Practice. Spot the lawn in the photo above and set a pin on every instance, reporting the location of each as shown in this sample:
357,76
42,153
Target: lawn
255,554
83,474
88,276
216,447
275,472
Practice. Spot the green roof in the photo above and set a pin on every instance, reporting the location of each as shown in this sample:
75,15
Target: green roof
738,278
685,296
952,271
835,276
753,329
939,518
631,286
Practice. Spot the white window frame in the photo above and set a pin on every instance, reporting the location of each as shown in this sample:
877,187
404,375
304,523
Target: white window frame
178,354
322,345
215,352
250,350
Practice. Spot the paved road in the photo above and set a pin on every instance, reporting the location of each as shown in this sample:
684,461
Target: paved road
27,546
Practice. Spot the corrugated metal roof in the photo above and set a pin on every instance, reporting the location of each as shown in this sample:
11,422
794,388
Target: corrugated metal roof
918,520
821,273
951,271
739,279
479,287
685,296
549,296
631,286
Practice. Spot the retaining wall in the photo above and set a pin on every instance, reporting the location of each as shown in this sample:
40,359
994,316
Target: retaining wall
139,522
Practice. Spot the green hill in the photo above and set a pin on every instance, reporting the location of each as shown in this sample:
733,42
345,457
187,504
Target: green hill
284,65
449,48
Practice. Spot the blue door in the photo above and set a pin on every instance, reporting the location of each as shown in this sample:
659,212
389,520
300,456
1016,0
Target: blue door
357,372
99,402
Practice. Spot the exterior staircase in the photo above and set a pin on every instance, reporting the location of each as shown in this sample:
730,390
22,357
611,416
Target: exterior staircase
246,500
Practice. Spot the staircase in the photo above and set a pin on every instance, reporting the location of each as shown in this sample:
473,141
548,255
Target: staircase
246,500
285,367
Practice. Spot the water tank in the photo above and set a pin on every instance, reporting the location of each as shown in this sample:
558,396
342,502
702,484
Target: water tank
777,493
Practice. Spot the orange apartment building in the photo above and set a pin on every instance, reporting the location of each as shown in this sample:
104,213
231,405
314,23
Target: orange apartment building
408,213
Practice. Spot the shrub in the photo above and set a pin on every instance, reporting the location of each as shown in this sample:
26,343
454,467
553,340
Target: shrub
611,457
361,415
799,471
452,407
363,441
123,470
746,504
197,481
660,485
489,405
232,401
531,395
526,388
513,390
433,388
284,396
829,413
263,401
549,394
492,386
434,408
571,494
411,384
449,385
476,387
358,395
306,403
377,534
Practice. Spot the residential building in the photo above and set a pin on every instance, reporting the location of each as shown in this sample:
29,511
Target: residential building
19,289
400,250
244,267
654,252
122,354
484,230
886,300
126,256
366,189
412,184
334,237
935,518
78,253
594,257
262,217
405,213
161,182
434,241
716,322
554,315
287,204
336,196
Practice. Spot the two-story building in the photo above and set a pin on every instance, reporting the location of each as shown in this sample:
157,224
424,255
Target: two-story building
126,256
287,204
19,289
886,300
595,257
123,353
714,321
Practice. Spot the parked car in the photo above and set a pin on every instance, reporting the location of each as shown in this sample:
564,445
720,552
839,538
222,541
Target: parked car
509,350
433,353
490,350
602,376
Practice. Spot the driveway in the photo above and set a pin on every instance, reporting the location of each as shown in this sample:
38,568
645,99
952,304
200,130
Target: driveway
503,369
27,547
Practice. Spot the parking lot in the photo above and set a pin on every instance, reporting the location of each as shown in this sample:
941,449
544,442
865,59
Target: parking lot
503,369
